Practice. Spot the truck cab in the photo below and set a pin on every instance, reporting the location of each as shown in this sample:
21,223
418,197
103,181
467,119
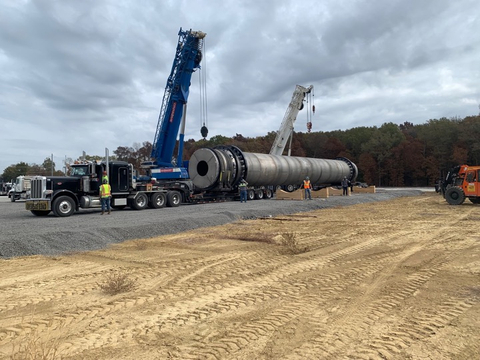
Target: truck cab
20,188
81,189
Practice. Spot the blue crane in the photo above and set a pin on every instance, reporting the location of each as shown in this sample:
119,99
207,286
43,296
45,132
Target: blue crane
173,111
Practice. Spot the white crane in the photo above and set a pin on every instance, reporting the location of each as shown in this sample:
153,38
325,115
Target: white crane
286,128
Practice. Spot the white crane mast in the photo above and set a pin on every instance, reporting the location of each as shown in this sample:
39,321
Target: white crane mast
286,128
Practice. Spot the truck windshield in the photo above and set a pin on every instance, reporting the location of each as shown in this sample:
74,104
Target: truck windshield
78,171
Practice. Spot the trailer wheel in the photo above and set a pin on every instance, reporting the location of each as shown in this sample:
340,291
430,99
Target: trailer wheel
174,198
157,200
455,196
289,188
140,202
251,194
63,206
259,194
268,194
40,212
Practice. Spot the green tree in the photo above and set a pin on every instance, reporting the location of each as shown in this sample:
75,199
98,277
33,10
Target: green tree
469,135
380,146
48,166
439,137
12,171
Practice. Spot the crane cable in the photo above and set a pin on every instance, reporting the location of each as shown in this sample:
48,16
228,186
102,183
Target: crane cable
310,110
203,94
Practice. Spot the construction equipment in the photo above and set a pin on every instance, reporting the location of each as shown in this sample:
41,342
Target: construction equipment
461,182
171,121
167,181
212,173
285,133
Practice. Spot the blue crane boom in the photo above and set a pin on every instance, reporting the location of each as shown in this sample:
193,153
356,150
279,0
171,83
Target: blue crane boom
173,111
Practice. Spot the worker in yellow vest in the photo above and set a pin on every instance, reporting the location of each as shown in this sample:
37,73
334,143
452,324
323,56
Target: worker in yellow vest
308,188
104,177
243,190
105,194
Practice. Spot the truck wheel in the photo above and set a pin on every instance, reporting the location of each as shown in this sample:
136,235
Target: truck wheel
251,195
268,194
455,196
12,197
63,206
40,212
259,194
173,199
140,202
157,200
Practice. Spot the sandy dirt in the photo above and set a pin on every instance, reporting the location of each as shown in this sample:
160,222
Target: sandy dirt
388,280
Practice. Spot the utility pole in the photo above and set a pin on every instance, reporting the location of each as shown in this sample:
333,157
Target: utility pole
52,165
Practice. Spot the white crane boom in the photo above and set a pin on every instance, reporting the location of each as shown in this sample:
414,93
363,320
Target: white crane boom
286,128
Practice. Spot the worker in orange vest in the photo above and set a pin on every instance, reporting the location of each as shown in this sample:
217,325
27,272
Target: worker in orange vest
105,194
308,188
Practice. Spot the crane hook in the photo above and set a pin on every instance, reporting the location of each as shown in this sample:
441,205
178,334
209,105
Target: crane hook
204,131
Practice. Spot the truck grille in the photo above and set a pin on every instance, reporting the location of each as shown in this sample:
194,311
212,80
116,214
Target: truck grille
38,187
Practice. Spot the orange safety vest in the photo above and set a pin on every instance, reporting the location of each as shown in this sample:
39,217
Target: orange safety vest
105,190
306,184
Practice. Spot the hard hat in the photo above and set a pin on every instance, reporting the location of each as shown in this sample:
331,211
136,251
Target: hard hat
307,178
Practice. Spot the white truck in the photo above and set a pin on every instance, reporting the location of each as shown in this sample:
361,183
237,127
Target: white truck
5,188
20,189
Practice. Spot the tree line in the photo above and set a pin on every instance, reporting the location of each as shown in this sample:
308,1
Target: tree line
389,155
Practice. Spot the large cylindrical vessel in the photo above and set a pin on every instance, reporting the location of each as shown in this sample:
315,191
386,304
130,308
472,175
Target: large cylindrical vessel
222,167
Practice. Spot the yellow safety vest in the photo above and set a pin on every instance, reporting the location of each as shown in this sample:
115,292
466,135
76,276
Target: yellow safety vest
105,190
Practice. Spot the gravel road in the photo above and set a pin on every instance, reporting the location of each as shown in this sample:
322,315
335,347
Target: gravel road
23,234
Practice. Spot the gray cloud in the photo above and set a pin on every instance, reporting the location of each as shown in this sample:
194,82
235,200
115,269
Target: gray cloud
86,75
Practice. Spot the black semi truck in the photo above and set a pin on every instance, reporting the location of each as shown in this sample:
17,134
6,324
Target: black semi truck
63,195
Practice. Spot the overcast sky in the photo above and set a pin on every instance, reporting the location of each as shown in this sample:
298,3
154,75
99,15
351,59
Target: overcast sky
85,75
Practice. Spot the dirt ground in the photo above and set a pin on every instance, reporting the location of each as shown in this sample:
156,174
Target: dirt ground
387,280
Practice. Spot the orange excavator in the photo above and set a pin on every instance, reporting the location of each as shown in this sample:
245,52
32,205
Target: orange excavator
462,182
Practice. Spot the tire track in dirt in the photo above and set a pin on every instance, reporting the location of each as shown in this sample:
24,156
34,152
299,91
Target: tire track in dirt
229,305
335,339
264,327
215,305
283,302
20,326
